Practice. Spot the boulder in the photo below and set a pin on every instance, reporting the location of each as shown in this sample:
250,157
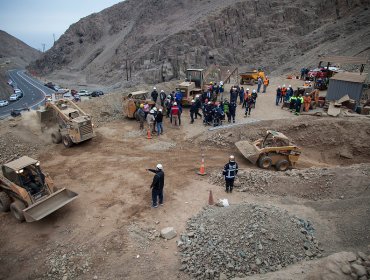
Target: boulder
168,233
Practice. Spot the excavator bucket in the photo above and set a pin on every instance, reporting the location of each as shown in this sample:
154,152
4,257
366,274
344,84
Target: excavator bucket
46,206
248,150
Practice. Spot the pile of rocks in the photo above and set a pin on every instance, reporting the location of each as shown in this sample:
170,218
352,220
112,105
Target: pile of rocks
358,266
13,147
67,264
243,240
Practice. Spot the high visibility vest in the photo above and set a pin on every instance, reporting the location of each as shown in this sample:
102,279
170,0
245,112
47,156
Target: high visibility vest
266,82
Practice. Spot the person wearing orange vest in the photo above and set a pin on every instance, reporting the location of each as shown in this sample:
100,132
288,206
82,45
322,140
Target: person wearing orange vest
307,102
283,93
266,82
246,93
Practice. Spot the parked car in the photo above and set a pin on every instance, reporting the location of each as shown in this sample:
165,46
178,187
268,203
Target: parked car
96,93
49,85
4,103
84,92
68,95
10,82
14,97
18,92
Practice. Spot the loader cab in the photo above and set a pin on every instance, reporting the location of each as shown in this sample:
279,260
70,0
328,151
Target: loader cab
26,173
275,139
196,76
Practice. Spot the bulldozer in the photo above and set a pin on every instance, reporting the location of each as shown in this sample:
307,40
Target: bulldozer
28,192
250,77
68,122
193,85
275,149
132,102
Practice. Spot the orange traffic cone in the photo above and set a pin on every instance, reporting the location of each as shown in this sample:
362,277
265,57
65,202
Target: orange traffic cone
210,199
202,170
148,134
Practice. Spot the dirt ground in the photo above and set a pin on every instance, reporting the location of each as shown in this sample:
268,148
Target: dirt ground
110,231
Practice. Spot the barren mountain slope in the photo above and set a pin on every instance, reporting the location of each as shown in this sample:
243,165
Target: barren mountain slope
164,37
13,54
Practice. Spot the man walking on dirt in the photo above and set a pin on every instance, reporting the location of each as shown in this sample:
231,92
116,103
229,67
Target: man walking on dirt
154,95
157,185
230,171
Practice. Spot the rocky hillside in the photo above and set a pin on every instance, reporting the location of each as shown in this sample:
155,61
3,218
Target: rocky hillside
13,54
164,37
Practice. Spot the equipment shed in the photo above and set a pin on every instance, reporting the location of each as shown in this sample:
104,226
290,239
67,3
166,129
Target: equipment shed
346,83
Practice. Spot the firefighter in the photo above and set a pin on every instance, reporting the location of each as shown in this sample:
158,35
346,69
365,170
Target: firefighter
230,171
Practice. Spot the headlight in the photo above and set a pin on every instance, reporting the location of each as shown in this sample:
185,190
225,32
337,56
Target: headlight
19,171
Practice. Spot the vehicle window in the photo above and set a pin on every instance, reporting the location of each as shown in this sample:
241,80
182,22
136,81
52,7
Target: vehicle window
11,175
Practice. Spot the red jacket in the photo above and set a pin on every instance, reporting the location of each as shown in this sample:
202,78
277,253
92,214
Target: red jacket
175,111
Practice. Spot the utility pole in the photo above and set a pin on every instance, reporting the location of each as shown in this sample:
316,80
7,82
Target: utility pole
43,47
54,38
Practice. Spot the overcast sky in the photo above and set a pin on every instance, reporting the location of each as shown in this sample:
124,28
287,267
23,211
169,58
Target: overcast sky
35,21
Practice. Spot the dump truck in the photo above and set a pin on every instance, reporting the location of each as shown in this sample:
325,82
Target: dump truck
28,192
132,101
275,149
67,122
250,77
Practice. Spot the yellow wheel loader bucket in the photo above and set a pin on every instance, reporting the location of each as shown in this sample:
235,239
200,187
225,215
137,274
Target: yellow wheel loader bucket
48,205
248,150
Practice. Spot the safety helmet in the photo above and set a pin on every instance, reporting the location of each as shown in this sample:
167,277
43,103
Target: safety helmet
290,85
162,90
284,85
211,83
154,109
197,96
141,105
168,96
154,88
193,101
151,111
279,86
159,166
174,103
160,110
221,83
232,158
248,89
209,102
254,91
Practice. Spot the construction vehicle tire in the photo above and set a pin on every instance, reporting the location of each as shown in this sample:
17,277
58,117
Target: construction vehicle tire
16,208
265,162
56,137
4,202
282,165
67,142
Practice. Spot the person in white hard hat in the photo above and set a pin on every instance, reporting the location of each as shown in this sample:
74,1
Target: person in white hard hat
229,172
162,97
150,120
157,185
159,122
175,112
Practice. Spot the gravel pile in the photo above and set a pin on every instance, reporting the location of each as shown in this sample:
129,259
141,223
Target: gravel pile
12,147
243,240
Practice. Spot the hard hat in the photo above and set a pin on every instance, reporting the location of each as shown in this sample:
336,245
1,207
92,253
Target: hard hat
154,88
162,90
290,85
254,91
247,88
221,83
141,105
193,101
169,96
279,86
209,102
197,96
232,158
154,108
160,110
284,85
174,103
159,166
211,83
151,111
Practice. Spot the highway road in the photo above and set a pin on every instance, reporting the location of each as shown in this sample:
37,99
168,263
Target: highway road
33,92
